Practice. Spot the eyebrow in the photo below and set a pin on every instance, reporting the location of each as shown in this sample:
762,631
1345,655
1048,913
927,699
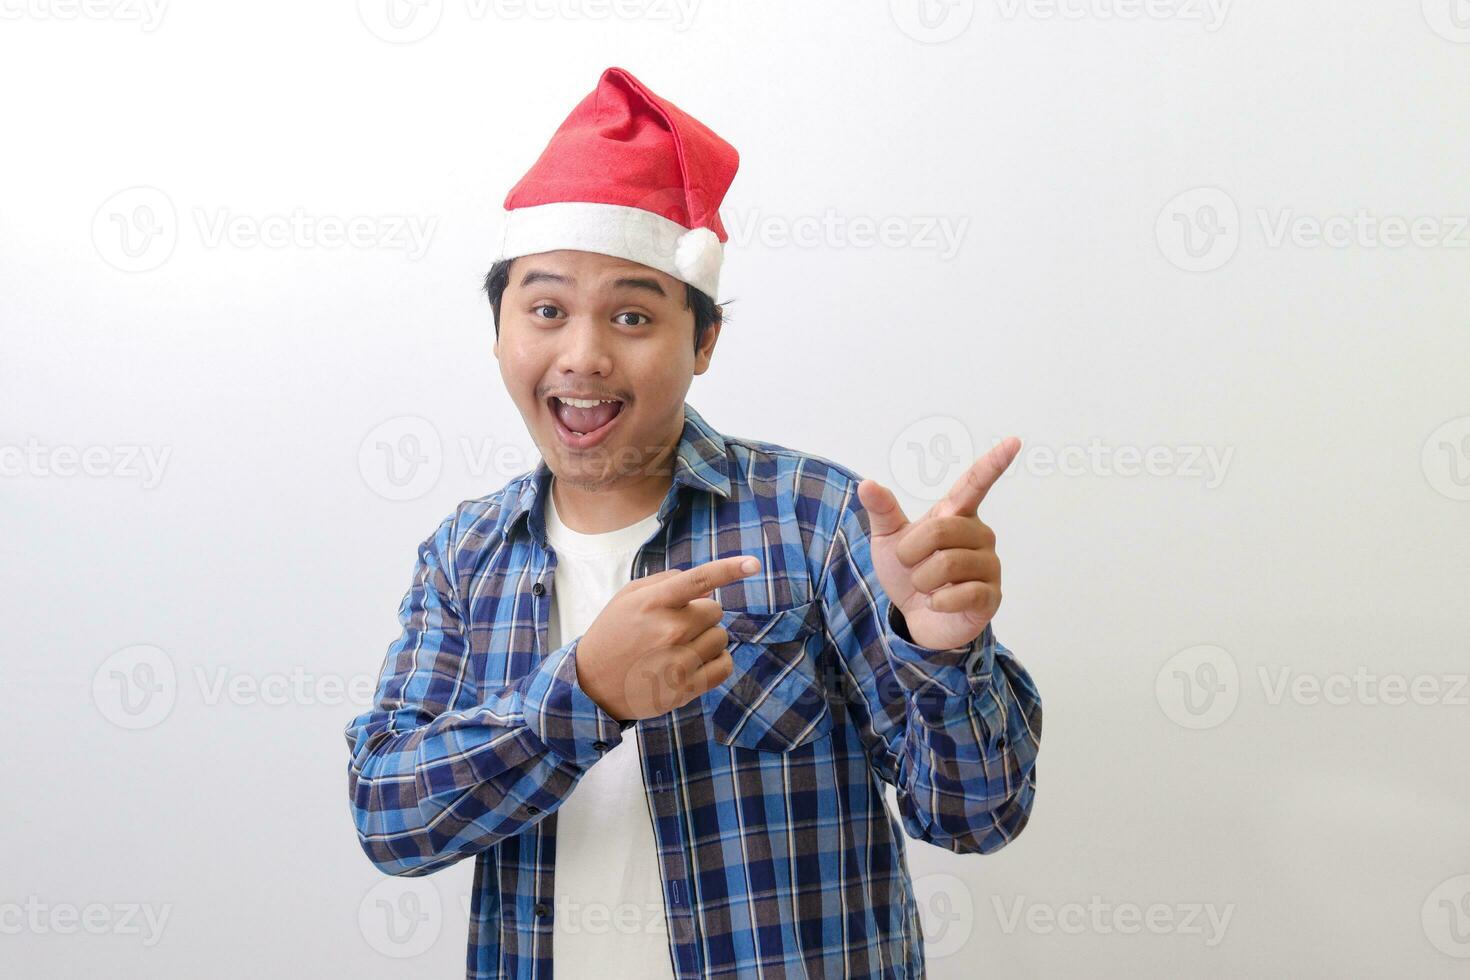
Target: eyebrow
626,282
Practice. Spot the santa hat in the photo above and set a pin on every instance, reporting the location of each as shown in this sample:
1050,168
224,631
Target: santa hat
631,175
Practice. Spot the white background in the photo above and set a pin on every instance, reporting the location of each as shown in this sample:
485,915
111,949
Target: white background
1118,179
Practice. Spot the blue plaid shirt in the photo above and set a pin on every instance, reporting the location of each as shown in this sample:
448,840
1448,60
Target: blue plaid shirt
779,854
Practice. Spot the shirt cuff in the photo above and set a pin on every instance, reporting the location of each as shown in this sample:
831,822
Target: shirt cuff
563,716
956,672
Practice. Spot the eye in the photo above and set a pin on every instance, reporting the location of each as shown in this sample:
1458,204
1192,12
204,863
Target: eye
536,311
646,318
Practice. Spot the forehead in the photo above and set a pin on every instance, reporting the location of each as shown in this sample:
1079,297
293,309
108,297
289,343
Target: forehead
588,271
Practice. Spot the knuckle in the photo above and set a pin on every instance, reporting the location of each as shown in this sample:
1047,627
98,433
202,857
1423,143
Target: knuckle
720,669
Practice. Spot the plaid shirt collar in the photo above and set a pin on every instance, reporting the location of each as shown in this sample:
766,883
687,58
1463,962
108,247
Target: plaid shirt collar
700,463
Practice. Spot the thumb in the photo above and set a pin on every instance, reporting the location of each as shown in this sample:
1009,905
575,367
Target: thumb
885,516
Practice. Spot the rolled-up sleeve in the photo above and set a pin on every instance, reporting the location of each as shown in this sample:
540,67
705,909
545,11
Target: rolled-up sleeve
441,769
955,731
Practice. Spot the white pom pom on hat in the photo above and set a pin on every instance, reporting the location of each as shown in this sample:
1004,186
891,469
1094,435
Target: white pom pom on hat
631,175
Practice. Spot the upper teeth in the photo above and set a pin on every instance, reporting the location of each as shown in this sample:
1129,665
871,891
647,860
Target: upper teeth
586,402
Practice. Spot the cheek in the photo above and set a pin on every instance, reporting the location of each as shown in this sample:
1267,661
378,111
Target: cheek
520,367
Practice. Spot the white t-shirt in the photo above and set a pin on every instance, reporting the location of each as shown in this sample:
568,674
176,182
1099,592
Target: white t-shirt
609,918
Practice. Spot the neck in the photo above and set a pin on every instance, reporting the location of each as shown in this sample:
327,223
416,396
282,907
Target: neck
597,508
598,511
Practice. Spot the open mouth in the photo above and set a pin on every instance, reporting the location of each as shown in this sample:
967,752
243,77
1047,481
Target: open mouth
584,422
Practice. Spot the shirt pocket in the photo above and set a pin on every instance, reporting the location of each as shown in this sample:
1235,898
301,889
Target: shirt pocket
773,700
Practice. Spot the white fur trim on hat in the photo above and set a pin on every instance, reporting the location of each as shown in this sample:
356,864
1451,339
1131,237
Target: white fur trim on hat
689,255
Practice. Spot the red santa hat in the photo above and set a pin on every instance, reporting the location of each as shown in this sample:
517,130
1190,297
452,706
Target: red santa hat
631,175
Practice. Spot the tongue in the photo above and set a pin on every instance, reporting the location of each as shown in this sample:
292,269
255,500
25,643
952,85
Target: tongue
586,419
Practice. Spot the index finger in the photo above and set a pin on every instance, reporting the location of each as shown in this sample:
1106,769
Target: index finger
696,582
972,486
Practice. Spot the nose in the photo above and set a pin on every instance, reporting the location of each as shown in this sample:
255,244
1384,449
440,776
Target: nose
584,348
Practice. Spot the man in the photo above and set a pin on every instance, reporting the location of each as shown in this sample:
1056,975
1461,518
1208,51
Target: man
656,685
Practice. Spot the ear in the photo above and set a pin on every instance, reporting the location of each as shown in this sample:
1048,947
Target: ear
706,349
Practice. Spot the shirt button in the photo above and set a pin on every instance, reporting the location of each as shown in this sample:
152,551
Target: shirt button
1000,743
538,589
600,745
533,810
542,909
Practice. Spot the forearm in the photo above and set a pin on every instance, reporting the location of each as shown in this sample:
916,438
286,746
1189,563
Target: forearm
430,788
967,767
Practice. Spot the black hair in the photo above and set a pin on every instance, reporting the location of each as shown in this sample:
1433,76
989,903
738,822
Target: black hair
706,310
